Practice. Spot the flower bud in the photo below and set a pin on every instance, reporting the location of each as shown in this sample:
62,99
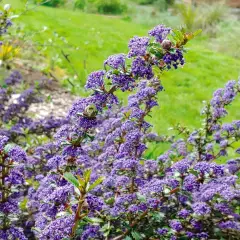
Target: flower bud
166,44
90,111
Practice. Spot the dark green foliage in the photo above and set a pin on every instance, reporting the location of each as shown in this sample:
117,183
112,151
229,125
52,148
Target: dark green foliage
110,6
51,3
162,4
101,6
145,2
80,4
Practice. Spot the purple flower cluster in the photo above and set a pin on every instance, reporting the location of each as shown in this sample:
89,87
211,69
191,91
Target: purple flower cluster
183,185
14,78
12,159
138,46
174,59
118,145
160,32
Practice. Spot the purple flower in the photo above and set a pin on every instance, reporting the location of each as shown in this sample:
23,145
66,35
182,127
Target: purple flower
14,78
123,81
3,141
196,224
184,213
176,225
58,229
122,181
160,32
138,46
182,166
190,183
17,154
230,225
201,208
174,59
94,203
151,166
223,208
218,170
162,231
233,166
14,233
141,69
91,232
116,61
203,235
202,167
95,80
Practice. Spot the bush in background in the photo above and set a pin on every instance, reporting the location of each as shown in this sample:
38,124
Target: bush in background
80,4
101,6
145,2
161,4
51,3
110,6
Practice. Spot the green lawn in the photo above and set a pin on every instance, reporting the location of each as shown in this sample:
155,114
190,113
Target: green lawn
99,36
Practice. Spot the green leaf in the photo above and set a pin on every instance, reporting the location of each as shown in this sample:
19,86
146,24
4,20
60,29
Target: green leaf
94,184
127,238
115,71
81,181
36,229
158,217
65,143
95,220
49,99
87,175
23,204
8,147
141,198
197,32
70,178
90,137
136,236
195,173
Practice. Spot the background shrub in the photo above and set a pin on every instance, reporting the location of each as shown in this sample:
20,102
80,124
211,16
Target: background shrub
157,2
145,2
51,3
110,6
101,6
80,4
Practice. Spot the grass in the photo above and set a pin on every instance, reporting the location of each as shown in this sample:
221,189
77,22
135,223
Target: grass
99,36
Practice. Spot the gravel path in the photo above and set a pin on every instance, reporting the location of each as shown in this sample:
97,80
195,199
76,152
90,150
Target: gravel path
57,104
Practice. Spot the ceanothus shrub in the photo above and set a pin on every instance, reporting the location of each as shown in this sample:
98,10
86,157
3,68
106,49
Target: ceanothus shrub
93,181
100,186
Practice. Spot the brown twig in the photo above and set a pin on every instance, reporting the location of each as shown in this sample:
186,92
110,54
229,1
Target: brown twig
77,215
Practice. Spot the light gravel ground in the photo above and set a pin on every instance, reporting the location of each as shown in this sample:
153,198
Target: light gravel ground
57,103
